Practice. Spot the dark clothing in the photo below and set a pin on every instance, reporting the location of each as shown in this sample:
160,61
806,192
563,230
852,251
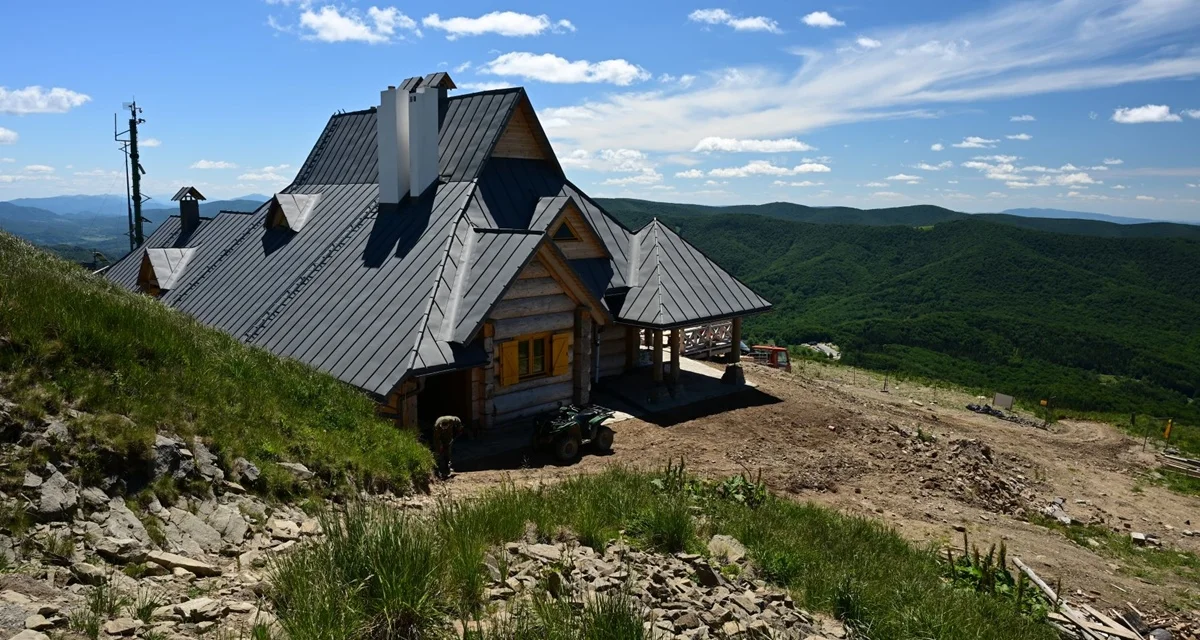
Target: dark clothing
445,430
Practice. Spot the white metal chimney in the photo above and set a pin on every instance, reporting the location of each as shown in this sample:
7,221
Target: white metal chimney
407,136
422,139
392,139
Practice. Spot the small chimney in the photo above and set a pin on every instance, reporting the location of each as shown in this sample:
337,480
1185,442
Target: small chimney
407,137
189,209
392,138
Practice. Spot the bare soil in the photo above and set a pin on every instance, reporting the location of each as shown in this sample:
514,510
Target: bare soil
914,457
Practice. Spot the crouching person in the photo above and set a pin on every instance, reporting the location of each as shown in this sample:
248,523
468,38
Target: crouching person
445,430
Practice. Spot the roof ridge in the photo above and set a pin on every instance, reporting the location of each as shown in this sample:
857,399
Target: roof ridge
450,317
657,273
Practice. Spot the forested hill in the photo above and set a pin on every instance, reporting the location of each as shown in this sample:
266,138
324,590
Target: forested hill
638,212
1096,323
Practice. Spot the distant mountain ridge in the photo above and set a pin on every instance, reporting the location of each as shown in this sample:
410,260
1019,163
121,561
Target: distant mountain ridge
1064,214
113,204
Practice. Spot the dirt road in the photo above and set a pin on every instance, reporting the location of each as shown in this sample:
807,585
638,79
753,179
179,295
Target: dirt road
917,459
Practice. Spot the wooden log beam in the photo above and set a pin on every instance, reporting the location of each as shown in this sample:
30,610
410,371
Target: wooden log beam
533,287
533,383
631,348
527,412
514,327
509,402
658,355
735,347
676,347
539,305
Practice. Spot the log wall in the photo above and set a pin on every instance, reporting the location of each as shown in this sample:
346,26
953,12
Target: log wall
612,351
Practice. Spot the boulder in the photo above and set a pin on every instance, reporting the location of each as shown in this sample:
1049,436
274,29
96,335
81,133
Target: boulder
726,548
284,530
93,497
171,458
191,528
122,626
58,497
38,622
32,481
200,610
120,550
122,523
245,471
88,573
173,561
298,470
228,522
30,634
206,462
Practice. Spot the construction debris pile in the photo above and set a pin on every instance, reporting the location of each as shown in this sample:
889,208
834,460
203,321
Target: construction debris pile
979,479
988,409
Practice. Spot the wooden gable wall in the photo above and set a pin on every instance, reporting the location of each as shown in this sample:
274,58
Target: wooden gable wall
519,139
586,245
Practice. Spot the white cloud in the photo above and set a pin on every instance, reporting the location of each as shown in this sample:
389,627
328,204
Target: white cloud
1121,186
877,184
1144,114
868,43
212,164
8,159
998,158
902,176
462,67
1080,46
937,146
782,145
721,16
1113,161
1087,196
1147,198
802,183
690,174
548,67
150,142
888,194
1193,186
925,166
1192,113
822,19
647,176
99,173
975,142
1020,136
8,136
765,168
35,99
267,174
1024,118
330,24
503,23
38,168
997,194
489,86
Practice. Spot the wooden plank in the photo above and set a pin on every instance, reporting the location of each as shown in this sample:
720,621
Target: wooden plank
532,287
525,307
615,361
1053,598
518,139
529,412
1118,629
534,269
532,383
511,328
612,347
510,402
1119,632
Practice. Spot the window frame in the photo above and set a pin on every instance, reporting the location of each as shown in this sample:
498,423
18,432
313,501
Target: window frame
545,340
571,236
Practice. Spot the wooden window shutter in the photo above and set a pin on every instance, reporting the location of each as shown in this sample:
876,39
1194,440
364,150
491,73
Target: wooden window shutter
562,353
509,373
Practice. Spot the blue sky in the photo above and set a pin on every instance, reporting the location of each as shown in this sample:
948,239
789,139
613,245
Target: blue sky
978,106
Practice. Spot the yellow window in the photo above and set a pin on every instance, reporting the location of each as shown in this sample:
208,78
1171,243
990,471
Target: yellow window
531,357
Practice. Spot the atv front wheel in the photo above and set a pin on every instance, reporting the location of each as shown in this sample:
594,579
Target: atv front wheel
566,448
604,439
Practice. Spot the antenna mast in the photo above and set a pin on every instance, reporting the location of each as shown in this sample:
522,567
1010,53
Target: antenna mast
134,198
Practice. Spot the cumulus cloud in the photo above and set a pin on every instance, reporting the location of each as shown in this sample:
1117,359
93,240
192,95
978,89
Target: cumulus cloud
548,67
267,174
150,142
212,164
35,99
903,176
721,16
39,168
1121,186
975,142
888,194
1113,161
925,166
1148,198
1144,114
1020,136
802,183
690,174
331,24
502,23
8,136
937,146
782,145
822,19
1023,118
766,168
868,43
1192,113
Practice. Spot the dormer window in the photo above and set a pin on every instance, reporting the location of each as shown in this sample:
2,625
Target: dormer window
564,233
291,210
162,268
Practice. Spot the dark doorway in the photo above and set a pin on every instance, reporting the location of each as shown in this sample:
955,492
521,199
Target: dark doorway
446,394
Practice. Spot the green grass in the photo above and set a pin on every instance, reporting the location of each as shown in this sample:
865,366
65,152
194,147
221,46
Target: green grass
1179,483
137,366
1144,562
367,575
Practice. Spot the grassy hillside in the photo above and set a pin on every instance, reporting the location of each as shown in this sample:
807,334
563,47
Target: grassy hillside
134,366
1096,324
636,213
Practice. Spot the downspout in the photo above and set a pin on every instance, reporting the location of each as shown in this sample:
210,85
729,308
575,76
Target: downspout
595,355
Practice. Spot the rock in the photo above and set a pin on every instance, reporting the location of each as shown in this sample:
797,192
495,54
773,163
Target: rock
298,470
726,548
191,528
173,561
1160,634
230,524
745,603
31,481
93,497
548,552
38,622
122,626
200,610
706,575
1138,538
58,497
13,597
284,530
30,634
732,629
688,620
88,573
122,523
244,471
57,432
206,462
120,550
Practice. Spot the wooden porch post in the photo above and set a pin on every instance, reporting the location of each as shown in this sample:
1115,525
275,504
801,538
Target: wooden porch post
582,365
735,349
631,347
489,375
676,347
658,358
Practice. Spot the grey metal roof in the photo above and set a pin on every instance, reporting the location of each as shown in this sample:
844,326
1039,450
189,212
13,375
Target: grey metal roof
372,296
296,208
168,264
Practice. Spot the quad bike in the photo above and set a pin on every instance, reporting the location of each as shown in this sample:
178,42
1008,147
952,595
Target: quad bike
566,430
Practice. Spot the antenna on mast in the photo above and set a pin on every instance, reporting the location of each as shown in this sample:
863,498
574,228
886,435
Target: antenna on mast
133,194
